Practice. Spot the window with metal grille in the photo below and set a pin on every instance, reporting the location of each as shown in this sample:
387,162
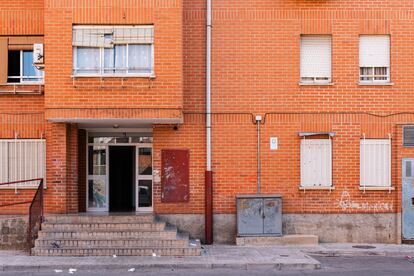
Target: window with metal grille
374,58
316,162
113,50
315,59
375,163
408,136
22,160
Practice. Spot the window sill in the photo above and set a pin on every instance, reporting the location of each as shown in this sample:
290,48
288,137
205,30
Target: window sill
20,188
316,188
377,188
375,84
315,84
151,76
22,84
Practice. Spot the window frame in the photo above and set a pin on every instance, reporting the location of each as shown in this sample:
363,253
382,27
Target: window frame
102,68
373,76
21,77
315,80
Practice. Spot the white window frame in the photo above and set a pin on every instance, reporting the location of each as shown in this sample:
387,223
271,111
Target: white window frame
18,162
316,80
102,62
372,77
21,77
328,162
364,179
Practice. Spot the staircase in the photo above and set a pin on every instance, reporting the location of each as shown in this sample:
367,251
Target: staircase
120,235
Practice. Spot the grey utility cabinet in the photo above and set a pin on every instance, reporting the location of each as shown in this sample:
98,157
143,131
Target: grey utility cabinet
259,215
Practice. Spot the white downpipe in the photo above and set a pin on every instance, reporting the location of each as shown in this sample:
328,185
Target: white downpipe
208,85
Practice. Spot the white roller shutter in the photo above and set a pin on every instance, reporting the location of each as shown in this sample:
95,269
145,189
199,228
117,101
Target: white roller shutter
316,162
374,51
375,163
315,56
22,160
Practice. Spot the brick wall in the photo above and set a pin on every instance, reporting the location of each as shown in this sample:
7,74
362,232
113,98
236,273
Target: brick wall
255,71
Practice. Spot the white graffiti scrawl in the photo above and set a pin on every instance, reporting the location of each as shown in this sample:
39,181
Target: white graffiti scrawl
346,203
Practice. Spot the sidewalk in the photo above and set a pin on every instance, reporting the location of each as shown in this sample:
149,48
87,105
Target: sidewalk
214,257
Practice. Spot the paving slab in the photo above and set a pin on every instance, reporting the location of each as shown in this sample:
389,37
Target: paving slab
213,257
361,249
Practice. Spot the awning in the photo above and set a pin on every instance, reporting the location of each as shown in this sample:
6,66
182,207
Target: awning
305,134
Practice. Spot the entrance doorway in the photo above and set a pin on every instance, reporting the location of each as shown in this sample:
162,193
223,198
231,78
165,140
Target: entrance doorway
408,199
121,178
120,172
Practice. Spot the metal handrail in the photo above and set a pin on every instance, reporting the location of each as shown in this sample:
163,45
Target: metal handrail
35,210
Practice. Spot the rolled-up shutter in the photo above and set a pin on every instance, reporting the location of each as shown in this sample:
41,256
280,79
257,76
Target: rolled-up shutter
134,35
315,56
374,51
24,42
107,36
3,59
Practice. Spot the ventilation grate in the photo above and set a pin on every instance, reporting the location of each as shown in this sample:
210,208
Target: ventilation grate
408,136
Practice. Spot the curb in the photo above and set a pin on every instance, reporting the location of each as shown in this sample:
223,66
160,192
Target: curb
345,253
204,266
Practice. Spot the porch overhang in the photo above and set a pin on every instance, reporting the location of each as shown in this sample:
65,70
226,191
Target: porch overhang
122,117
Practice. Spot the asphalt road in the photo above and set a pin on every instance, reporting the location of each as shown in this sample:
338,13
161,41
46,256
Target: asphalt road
355,266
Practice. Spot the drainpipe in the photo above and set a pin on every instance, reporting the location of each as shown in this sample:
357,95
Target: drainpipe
208,174
259,169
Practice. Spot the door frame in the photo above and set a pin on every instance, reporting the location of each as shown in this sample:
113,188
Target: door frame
403,170
138,177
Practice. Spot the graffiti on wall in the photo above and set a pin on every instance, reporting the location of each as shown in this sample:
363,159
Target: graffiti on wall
346,203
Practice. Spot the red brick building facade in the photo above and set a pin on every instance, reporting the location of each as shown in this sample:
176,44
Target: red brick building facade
256,70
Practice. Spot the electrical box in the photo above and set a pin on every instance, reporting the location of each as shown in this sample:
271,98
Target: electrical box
259,215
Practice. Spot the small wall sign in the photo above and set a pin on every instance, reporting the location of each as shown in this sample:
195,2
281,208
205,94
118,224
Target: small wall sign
274,143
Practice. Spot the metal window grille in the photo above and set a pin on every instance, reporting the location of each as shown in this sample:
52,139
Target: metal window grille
375,163
20,160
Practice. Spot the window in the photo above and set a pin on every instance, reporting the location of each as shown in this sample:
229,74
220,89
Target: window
22,160
375,163
315,59
408,136
20,67
316,162
374,58
113,51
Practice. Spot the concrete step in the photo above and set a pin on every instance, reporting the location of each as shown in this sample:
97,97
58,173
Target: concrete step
310,240
137,218
167,233
158,226
137,243
121,251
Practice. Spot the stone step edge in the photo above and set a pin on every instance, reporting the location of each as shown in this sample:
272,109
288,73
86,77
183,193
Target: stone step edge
115,248
92,230
100,223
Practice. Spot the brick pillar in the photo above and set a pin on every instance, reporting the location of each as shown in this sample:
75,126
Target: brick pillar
61,195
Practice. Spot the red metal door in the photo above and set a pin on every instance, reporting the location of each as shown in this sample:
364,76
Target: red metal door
175,175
